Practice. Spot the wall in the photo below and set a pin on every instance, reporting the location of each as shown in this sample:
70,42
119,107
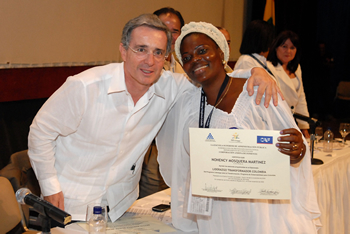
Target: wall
39,33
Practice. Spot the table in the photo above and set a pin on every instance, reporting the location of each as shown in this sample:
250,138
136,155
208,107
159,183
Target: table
332,185
141,207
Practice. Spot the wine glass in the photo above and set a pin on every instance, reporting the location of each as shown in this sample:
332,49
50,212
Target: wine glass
344,130
318,134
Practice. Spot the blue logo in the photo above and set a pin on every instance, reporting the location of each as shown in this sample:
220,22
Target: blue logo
265,140
210,137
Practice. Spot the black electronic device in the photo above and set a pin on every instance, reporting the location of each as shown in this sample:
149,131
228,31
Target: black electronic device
161,208
313,124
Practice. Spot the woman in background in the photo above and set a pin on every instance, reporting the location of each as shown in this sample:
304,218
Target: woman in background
284,56
255,45
225,103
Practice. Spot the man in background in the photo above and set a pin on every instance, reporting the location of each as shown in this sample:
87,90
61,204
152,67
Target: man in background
226,34
174,21
224,31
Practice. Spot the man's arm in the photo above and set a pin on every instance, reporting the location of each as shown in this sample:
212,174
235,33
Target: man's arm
56,200
259,77
59,116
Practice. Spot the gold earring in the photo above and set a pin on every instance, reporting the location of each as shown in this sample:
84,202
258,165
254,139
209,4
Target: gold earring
223,62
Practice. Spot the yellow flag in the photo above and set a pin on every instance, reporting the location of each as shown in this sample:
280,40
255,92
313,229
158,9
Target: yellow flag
269,14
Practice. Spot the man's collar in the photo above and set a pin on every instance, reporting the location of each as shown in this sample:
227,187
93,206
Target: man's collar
158,90
118,80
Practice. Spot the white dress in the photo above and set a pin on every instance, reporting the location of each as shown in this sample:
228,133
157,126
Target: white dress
234,215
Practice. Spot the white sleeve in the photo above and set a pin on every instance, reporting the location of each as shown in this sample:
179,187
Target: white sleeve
241,73
181,80
245,62
279,117
59,116
174,164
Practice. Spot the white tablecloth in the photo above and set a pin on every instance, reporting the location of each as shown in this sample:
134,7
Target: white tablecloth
332,184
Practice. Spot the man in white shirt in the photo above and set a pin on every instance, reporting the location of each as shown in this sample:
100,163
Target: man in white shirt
87,142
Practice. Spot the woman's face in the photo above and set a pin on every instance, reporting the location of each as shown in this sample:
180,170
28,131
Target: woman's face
286,52
201,57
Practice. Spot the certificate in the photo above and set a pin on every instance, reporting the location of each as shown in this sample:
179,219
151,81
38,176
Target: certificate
235,163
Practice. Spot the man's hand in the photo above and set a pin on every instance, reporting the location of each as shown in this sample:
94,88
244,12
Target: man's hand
266,84
56,200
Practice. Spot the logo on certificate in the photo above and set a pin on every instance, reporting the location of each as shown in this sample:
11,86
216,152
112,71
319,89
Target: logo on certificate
235,138
264,140
210,138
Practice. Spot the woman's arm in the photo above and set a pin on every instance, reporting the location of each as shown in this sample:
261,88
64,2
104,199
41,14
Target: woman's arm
301,107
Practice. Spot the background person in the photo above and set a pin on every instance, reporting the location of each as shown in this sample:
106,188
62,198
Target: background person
255,45
285,58
227,36
174,21
224,31
202,48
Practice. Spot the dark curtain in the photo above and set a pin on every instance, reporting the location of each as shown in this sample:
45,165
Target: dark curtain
33,86
15,119
324,30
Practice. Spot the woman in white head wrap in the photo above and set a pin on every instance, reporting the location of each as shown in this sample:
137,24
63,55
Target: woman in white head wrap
203,52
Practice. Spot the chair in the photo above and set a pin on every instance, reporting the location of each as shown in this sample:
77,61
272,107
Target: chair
10,214
20,174
342,100
343,90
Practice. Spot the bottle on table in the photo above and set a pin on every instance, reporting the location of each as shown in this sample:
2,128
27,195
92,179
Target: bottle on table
328,141
97,223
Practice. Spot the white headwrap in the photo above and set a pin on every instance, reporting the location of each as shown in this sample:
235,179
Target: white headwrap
207,29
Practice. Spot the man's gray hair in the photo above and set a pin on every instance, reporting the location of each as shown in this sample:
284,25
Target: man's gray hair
148,20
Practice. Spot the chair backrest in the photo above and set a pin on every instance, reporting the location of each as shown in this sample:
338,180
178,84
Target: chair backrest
343,90
20,161
10,215
20,174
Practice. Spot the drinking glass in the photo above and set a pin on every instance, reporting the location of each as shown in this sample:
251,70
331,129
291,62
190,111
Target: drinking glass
90,211
318,134
344,130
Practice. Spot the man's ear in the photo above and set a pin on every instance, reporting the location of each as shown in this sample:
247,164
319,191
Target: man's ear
122,51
